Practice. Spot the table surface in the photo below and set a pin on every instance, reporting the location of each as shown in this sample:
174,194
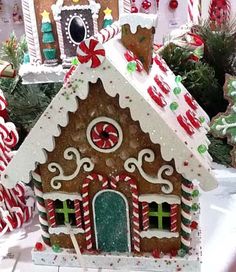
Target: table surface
217,222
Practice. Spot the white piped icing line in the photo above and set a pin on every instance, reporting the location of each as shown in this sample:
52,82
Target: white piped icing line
135,19
62,229
158,198
62,196
158,234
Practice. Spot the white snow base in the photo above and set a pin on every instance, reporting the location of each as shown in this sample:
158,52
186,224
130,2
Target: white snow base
119,261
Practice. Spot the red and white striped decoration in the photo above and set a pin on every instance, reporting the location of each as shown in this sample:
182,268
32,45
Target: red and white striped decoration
127,6
108,33
135,204
130,57
51,212
173,217
145,215
190,11
91,53
165,88
78,217
161,64
85,199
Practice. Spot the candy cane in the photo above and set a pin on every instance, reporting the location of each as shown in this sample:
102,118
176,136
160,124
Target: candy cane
145,215
135,204
165,88
91,53
51,213
108,33
85,199
157,96
127,6
173,217
78,217
162,65
190,11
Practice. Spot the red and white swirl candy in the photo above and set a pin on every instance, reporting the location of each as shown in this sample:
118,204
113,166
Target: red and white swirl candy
91,53
157,96
104,135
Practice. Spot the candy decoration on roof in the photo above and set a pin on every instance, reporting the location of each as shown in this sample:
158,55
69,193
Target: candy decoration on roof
173,4
145,6
108,33
161,64
223,125
219,11
108,19
91,53
193,119
157,96
130,57
71,70
134,8
185,125
162,84
190,101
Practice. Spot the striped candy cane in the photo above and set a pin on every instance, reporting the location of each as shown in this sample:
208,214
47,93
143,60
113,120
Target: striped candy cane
173,217
127,6
186,199
108,33
145,215
135,204
190,11
51,212
85,199
78,218
41,208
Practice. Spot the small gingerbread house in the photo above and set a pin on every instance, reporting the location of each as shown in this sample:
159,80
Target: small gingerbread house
57,26
114,157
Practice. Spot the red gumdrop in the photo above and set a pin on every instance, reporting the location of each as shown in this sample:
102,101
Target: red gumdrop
173,4
156,253
39,246
134,9
193,225
146,4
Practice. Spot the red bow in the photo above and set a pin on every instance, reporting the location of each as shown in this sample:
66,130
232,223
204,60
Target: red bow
131,57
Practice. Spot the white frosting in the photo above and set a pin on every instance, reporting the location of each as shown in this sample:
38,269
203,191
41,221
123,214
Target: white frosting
138,19
158,234
26,69
159,199
159,123
64,230
62,196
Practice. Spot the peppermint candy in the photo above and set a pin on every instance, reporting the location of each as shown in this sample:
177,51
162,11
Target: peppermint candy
91,53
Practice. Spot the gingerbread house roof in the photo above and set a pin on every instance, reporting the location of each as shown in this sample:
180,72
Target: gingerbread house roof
169,117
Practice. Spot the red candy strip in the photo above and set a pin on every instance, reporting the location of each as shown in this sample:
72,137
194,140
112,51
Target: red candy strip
185,125
190,101
157,96
161,84
193,119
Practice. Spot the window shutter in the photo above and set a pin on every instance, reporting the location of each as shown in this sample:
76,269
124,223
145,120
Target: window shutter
173,217
145,215
51,213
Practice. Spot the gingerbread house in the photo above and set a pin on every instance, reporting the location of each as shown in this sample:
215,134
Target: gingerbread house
58,26
115,159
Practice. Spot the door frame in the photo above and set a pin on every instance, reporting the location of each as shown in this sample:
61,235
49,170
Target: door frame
127,216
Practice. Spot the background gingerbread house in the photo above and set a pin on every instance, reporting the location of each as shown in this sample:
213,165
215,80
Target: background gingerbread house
115,154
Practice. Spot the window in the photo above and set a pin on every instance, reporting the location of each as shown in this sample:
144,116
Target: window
159,216
65,212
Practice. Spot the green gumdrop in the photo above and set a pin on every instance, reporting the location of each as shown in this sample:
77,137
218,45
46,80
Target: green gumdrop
56,248
74,61
181,252
131,67
195,207
202,119
174,106
202,149
195,193
178,79
177,90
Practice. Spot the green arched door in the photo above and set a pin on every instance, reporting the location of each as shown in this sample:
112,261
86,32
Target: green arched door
111,221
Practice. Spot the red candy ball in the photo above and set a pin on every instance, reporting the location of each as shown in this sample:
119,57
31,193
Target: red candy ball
146,4
173,4
134,9
39,246
194,225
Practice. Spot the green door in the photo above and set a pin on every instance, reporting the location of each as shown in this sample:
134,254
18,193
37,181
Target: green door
111,223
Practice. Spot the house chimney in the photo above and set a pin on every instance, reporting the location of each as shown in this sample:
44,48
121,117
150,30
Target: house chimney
138,31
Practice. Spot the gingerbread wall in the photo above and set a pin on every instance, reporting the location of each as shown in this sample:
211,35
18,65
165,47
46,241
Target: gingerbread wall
40,6
99,104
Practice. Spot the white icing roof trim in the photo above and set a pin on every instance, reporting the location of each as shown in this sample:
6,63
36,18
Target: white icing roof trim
160,124
170,199
64,230
158,234
138,19
62,196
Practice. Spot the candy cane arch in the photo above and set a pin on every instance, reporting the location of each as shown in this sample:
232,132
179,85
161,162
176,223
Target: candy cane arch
41,208
135,204
186,205
173,217
85,199
145,215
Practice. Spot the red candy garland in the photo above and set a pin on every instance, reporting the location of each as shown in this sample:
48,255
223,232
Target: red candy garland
15,209
129,55
91,52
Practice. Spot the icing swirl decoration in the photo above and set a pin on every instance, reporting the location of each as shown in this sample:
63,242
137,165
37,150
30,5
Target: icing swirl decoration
69,154
104,134
148,155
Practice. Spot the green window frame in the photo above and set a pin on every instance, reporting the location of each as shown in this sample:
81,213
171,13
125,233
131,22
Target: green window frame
65,212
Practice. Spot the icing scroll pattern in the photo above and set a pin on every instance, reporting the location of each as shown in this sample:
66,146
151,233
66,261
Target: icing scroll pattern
148,155
69,154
